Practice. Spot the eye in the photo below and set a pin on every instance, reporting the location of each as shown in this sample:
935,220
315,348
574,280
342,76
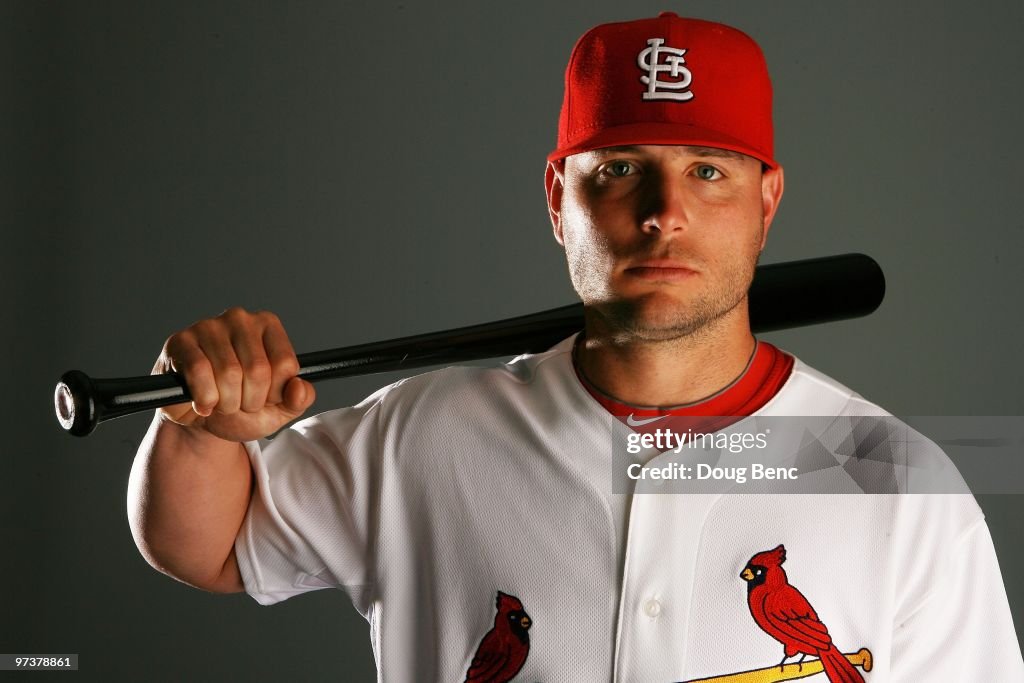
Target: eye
758,572
707,172
618,168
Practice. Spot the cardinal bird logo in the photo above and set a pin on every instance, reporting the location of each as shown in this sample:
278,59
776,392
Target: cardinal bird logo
785,614
504,648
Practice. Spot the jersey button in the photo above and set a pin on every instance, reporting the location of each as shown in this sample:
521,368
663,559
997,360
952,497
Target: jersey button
652,608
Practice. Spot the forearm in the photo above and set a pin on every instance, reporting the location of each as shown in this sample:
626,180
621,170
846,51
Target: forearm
187,496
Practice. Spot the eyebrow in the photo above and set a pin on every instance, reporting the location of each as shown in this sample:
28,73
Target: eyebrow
696,150
717,152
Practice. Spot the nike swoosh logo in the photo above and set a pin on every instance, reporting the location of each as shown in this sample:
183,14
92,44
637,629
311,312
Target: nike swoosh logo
640,423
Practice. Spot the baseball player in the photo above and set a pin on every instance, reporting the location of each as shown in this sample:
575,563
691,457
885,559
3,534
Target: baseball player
476,516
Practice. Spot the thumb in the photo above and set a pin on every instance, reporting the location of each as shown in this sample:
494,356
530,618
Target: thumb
297,397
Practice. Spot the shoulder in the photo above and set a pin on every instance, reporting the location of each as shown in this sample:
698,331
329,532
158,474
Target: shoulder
809,391
881,451
456,383
437,396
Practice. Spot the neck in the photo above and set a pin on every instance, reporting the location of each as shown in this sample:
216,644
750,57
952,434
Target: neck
668,372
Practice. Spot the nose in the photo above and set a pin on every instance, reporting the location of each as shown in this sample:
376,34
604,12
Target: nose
664,205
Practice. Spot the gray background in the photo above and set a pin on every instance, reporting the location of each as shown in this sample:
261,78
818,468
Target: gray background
375,170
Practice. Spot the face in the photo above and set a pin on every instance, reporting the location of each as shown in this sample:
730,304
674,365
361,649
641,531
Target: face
662,240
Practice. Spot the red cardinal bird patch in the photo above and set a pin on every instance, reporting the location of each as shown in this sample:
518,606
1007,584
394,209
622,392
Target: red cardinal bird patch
504,648
785,614
781,611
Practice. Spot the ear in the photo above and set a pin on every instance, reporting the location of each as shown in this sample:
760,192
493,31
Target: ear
554,184
771,195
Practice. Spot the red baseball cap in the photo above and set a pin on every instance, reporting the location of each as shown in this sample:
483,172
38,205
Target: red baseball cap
668,81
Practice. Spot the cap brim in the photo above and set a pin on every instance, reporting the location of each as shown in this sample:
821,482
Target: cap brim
661,134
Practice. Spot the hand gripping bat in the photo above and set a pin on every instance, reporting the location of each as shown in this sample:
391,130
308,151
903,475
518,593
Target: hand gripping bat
783,295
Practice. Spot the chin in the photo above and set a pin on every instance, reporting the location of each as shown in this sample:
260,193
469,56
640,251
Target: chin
663,315
654,316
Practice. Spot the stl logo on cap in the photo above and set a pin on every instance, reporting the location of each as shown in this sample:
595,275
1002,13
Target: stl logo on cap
650,61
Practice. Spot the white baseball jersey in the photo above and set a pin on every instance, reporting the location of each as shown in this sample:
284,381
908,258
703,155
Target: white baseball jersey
440,494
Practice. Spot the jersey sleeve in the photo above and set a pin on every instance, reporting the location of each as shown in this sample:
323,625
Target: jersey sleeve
311,518
958,626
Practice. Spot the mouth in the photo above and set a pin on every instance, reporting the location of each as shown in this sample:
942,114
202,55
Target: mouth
661,270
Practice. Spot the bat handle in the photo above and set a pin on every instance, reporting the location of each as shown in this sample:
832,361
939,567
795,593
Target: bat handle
82,402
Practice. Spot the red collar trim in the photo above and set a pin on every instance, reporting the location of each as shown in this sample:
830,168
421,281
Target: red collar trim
768,371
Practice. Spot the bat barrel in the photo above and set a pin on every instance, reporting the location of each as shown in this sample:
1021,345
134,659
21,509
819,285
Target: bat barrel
783,295
818,290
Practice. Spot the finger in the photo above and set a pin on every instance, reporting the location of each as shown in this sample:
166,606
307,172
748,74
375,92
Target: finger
185,357
256,375
284,365
227,370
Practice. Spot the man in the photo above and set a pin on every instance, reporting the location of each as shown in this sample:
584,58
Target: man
473,515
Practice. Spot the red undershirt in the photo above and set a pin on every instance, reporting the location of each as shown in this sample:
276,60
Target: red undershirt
767,371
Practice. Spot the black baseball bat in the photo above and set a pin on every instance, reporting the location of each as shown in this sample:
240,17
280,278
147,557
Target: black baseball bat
783,295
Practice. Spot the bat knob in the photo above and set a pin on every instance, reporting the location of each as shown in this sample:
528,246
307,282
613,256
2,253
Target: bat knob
73,403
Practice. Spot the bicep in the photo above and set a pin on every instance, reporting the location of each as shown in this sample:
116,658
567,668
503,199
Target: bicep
230,579
311,516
